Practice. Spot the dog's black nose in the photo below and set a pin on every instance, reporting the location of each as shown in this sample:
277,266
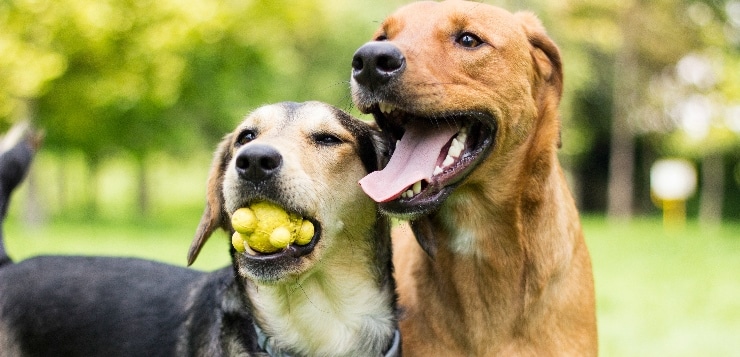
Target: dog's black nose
257,162
375,63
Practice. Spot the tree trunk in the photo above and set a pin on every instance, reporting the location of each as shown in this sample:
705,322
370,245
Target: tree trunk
93,182
143,187
61,181
622,154
712,190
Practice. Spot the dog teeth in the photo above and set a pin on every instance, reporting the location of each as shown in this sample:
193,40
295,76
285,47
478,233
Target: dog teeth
414,190
385,108
456,148
449,160
416,187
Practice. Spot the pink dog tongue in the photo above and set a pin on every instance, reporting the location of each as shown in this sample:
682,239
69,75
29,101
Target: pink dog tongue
414,159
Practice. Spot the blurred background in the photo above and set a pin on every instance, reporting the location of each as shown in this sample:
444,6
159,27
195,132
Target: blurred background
134,95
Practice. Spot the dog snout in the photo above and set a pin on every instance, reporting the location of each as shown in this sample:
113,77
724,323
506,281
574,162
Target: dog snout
258,162
376,63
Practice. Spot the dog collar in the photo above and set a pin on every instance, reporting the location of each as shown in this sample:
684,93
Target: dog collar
265,343
395,349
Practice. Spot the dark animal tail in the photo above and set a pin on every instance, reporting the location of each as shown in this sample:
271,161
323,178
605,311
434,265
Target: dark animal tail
17,149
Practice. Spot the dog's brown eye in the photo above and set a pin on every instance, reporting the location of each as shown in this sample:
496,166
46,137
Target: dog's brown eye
326,139
468,40
245,137
381,38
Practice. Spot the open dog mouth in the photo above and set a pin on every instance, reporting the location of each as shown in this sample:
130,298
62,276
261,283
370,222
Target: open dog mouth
272,234
275,266
432,154
291,251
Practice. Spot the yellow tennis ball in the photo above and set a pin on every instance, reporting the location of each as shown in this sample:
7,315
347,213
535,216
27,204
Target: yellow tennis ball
295,223
237,240
268,228
244,220
260,242
305,233
280,237
269,217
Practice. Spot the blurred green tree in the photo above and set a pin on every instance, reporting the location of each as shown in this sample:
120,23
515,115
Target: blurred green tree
136,77
139,76
622,91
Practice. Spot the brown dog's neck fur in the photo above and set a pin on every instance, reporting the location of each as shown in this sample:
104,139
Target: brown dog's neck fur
483,268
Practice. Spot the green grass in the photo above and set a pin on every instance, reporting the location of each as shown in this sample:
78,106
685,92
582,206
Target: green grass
659,293
167,239
666,293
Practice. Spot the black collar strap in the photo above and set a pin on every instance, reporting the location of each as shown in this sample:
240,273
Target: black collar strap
394,350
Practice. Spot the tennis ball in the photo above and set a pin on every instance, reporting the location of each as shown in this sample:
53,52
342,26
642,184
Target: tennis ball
260,242
244,220
280,237
237,240
305,233
268,228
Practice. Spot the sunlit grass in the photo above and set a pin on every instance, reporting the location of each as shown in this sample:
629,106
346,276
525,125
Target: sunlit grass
659,293
666,293
166,239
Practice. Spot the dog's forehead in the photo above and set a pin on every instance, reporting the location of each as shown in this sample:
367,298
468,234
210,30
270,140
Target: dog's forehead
321,117
306,117
451,17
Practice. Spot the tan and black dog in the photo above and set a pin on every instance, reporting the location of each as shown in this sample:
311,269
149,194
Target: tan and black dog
332,297
470,93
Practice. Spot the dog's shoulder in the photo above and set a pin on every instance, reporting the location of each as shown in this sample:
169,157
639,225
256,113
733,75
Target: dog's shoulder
48,303
218,321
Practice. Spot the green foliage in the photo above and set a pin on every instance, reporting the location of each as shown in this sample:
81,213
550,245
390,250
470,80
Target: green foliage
140,76
666,70
133,78
660,33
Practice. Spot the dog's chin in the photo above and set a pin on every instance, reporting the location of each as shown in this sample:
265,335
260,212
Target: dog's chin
481,132
410,209
274,267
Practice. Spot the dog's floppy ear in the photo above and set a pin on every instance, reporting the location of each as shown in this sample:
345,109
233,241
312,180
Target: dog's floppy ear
380,144
547,62
372,144
545,53
214,216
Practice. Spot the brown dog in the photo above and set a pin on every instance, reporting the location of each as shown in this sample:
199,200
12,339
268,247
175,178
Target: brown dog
471,93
